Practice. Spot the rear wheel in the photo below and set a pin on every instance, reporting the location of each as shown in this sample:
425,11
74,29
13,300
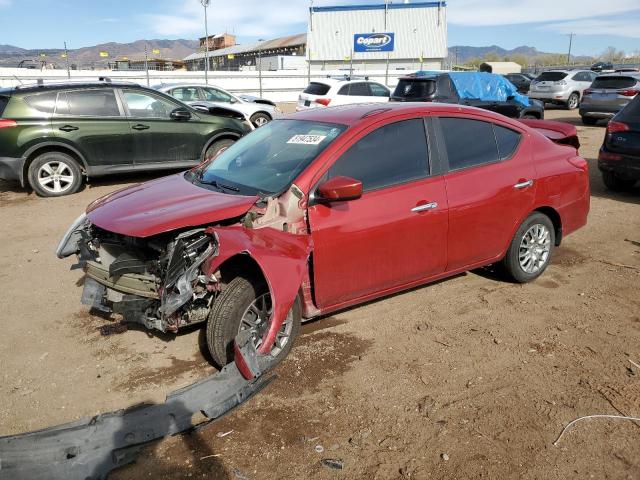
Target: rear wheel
54,174
615,183
217,147
589,120
260,119
246,304
530,250
573,101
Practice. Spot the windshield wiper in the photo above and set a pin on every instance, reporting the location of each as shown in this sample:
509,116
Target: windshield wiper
219,186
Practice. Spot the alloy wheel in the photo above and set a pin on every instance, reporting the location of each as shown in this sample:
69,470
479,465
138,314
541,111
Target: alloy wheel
535,247
55,177
258,317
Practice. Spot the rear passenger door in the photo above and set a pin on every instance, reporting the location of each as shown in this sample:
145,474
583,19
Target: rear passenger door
92,121
490,187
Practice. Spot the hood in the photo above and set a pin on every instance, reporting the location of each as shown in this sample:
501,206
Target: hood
163,205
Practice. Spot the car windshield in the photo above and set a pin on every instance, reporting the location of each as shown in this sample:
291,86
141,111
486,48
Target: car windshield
614,82
269,159
415,88
551,76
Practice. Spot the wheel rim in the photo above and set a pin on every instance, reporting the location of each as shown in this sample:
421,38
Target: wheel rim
260,121
257,317
535,247
573,101
55,177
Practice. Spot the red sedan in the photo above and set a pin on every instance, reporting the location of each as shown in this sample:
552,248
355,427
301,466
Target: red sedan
326,209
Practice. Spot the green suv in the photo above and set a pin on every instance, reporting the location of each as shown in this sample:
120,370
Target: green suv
53,136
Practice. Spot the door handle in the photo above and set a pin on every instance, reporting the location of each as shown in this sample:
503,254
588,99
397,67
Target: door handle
523,185
426,206
139,126
69,128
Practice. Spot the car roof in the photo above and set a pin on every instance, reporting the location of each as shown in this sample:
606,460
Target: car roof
353,114
336,80
635,75
37,87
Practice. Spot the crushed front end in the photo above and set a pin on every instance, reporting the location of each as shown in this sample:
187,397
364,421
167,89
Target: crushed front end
156,281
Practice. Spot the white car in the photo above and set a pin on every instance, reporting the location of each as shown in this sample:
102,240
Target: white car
563,87
258,110
342,90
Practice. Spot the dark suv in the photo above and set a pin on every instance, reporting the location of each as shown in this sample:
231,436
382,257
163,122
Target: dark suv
52,136
476,89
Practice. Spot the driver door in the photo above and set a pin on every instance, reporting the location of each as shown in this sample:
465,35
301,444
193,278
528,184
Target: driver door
158,139
396,233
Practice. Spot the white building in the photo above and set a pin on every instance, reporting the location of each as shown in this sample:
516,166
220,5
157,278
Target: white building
409,35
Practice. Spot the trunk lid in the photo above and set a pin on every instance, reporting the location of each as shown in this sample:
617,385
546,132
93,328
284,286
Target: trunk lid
558,132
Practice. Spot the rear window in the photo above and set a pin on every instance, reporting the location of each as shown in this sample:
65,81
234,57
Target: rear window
317,88
43,102
551,76
507,139
415,88
3,103
463,154
355,90
613,82
88,103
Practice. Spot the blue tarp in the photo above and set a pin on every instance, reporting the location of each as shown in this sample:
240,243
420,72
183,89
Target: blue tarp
482,86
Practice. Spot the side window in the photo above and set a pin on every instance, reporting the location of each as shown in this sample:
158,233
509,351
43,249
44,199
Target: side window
88,103
344,90
378,90
44,102
215,95
468,142
392,154
507,139
445,90
185,94
582,77
143,105
359,90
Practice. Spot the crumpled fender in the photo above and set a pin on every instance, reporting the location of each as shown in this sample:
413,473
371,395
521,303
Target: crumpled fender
281,256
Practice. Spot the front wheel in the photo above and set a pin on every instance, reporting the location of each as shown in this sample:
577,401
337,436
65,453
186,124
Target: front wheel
530,250
217,147
260,119
245,304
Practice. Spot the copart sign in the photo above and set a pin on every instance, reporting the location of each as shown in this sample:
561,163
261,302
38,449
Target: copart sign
373,42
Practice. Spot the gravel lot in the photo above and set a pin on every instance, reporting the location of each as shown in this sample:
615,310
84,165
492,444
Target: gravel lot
470,377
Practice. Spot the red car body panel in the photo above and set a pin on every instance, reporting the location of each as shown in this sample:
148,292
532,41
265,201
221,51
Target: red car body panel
163,205
375,245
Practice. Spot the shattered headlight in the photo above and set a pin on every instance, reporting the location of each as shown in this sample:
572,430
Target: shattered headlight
69,243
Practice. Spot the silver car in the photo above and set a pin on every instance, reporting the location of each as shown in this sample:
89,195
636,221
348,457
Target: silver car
607,95
258,110
563,87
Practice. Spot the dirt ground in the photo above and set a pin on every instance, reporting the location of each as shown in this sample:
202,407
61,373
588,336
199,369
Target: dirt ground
467,378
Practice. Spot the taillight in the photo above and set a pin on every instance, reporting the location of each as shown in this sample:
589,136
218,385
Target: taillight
323,101
606,156
588,91
6,123
630,92
560,82
614,127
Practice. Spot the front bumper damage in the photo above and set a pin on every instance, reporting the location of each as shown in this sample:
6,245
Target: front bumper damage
89,449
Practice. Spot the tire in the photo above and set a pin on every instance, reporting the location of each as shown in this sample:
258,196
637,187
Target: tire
260,119
217,147
54,174
616,184
513,265
573,101
529,116
225,319
589,120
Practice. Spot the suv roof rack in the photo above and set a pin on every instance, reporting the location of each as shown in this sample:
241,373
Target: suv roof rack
105,79
347,77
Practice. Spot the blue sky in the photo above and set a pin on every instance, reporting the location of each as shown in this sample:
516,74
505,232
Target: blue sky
508,23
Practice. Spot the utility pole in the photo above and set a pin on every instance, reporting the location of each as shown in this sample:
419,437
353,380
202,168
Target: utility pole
146,62
66,57
205,4
260,65
570,42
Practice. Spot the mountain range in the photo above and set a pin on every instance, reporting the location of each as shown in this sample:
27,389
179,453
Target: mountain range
461,54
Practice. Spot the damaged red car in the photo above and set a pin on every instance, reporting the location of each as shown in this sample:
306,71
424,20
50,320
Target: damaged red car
326,209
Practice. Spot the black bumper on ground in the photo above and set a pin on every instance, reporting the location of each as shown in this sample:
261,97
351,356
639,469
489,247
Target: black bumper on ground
625,166
12,169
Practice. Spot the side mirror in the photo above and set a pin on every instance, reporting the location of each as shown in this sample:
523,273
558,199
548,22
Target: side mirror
180,115
339,189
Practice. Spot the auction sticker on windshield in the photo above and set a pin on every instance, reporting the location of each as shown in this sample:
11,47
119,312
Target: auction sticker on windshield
306,139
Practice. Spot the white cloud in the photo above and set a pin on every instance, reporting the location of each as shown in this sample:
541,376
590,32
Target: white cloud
622,27
505,12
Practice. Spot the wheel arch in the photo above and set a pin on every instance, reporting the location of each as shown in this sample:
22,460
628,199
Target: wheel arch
37,150
555,218
227,134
